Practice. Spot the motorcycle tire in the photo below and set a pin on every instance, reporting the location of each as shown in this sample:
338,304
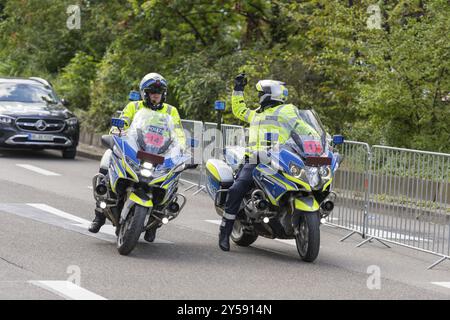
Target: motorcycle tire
308,237
131,230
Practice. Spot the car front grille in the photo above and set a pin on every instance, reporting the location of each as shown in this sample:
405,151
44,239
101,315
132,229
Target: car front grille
40,125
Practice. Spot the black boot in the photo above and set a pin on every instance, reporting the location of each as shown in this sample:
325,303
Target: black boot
150,235
224,235
98,222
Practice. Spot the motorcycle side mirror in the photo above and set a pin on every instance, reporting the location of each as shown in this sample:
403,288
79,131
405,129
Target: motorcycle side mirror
338,139
134,96
118,123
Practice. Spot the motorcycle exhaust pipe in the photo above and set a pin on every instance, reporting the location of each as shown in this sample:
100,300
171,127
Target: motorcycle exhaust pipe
262,205
173,207
99,186
101,189
327,205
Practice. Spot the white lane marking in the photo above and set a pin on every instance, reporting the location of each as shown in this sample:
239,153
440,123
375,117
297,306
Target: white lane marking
290,242
38,170
442,284
285,241
83,223
67,290
59,213
90,187
218,222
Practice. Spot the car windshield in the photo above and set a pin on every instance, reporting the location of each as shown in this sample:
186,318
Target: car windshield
308,137
22,92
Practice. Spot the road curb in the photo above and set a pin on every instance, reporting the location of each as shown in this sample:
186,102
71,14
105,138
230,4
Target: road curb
90,152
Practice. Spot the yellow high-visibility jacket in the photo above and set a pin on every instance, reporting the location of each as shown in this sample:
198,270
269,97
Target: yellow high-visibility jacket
134,106
271,126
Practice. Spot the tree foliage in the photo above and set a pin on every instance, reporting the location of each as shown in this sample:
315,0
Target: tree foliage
384,85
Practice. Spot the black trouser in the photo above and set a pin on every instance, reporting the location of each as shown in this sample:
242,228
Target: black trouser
236,193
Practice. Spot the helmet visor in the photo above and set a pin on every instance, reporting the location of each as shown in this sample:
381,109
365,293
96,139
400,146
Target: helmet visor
155,88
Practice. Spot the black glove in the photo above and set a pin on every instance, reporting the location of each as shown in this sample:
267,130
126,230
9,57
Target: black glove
240,82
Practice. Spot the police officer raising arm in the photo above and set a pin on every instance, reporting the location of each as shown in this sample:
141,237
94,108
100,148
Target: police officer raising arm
271,124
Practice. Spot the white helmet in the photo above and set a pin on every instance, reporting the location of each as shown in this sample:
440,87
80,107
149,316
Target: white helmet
153,83
271,90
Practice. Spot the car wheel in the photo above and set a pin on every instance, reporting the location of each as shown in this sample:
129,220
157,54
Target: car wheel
69,153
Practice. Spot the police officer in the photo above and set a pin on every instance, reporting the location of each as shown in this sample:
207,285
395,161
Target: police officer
153,90
271,124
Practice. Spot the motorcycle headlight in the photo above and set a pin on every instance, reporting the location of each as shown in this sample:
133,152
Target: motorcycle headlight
147,165
325,172
6,119
313,176
296,171
72,121
146,173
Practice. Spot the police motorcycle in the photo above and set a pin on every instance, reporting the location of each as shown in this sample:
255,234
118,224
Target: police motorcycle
291,192
140,190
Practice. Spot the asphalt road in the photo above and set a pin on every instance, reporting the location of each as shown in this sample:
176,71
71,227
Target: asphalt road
47,253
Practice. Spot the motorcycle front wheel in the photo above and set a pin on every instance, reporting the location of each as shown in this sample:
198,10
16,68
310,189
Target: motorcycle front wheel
131,229
308,237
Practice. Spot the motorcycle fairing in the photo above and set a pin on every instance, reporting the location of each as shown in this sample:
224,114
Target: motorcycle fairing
306,204
274,184
116,172
285,158
138,200
119,168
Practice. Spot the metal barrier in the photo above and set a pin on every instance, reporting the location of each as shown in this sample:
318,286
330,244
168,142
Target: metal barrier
409,202
233,135
194,139
351,187
211,143
194,135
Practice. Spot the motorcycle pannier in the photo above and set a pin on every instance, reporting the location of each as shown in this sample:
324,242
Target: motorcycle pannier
218,176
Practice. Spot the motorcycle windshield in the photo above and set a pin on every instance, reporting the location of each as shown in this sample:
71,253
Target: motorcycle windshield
154,132
308,137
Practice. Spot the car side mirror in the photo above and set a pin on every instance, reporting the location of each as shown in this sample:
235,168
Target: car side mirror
65,103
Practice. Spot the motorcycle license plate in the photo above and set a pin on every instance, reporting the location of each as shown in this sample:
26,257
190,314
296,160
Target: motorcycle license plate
154,139
40,137
312,146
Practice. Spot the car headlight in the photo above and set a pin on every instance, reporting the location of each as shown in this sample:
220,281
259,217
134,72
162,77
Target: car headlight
6,119
72,121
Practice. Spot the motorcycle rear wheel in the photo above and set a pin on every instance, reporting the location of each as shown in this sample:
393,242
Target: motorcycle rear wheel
131,229
308,237
242,237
